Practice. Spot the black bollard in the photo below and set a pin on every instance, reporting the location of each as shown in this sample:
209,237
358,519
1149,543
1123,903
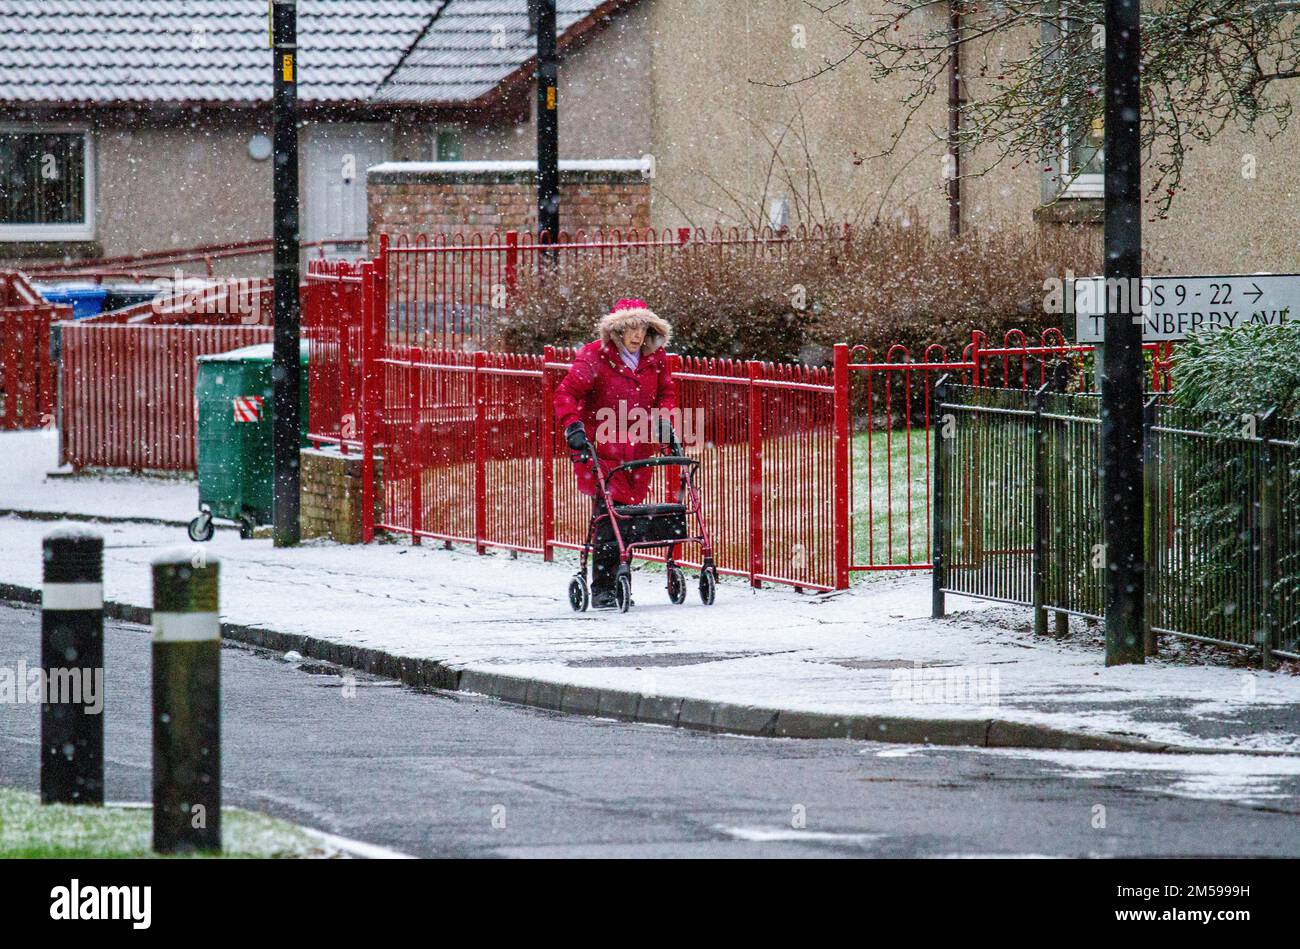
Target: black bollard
72,668
186,704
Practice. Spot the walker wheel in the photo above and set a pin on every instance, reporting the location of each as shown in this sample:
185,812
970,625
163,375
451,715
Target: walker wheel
676,585
201,529
579,597
708,586
623,593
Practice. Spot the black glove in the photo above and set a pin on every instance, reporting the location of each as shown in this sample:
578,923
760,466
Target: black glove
576,436
669,437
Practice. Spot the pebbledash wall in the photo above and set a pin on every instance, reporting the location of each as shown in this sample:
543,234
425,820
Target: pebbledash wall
487,197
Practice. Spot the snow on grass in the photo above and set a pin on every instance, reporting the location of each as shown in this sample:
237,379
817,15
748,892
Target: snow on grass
29,829
891,496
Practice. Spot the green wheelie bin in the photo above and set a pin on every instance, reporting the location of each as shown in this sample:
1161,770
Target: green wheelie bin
235,454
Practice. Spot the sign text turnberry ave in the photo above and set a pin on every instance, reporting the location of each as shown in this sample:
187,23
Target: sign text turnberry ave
1174,308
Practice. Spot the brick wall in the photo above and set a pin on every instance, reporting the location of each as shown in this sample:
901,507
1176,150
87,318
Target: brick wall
486,197
330,494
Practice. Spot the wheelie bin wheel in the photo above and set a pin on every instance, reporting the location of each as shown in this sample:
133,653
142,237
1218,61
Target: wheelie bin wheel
201,528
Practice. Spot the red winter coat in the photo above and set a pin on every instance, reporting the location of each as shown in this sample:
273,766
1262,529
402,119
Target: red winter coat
599,379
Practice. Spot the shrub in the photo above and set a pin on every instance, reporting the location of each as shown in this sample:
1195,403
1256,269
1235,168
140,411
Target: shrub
1248,369
885,284
1223,376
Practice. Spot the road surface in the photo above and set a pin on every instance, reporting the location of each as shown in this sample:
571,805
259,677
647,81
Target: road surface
452,775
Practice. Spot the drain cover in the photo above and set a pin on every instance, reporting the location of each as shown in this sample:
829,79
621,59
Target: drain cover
661,659
888,663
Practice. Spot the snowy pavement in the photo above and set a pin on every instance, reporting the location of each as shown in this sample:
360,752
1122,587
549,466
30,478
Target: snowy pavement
26,458
871,651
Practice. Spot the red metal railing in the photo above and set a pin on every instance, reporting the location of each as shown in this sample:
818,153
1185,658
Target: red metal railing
332,319
472,454
890,457
807,473
233,301
128,392
128,377
162,263
28,377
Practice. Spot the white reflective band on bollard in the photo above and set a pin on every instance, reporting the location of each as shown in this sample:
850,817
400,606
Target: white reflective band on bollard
72,596
185,627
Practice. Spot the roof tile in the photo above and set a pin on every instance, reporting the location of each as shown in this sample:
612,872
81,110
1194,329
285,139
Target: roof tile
215,51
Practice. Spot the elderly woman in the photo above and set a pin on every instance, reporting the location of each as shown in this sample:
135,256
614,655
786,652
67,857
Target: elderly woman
615,383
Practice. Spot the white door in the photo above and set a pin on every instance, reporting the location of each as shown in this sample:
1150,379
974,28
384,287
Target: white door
337,156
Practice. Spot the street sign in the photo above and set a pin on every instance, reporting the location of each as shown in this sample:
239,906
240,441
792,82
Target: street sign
1174,308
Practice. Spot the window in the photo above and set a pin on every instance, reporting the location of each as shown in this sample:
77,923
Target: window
1083,160
446,146
47,178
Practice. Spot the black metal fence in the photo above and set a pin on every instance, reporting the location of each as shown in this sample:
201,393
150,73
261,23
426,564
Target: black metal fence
1018,513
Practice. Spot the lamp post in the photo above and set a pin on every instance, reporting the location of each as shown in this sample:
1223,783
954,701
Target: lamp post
286,365
1121,354
548,126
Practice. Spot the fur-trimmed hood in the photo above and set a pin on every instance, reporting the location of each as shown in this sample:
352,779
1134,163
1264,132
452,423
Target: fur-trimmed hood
657,330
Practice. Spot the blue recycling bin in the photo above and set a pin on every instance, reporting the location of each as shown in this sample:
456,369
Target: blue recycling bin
84,300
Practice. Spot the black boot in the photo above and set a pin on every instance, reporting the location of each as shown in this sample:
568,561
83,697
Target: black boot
604,571
604,563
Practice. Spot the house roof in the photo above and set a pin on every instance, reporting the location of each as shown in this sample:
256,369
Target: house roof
215,52
473,46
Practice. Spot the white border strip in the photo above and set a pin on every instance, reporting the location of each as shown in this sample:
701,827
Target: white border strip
72,596
185,627
356,848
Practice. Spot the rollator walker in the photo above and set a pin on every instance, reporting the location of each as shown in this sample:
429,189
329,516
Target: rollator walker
647,527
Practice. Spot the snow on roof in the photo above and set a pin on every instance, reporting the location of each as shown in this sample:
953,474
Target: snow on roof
472,46
216,51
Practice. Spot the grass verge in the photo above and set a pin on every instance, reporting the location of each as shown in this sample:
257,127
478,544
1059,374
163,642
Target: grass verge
30,830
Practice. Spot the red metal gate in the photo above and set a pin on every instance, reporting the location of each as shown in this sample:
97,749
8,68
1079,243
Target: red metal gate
28,377
128,391
332,319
